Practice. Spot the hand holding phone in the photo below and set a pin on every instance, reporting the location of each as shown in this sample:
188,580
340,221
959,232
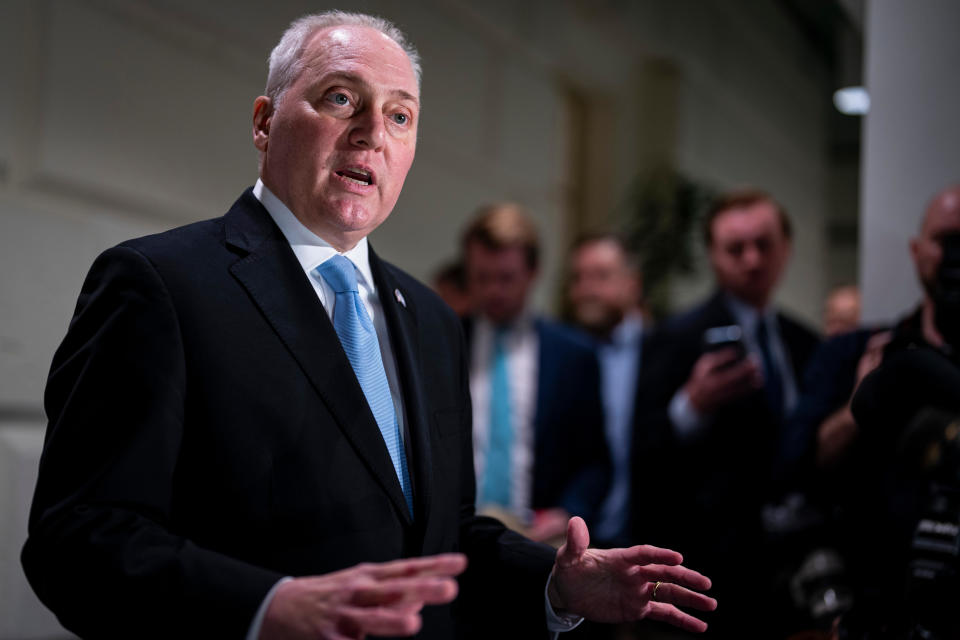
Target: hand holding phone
724,372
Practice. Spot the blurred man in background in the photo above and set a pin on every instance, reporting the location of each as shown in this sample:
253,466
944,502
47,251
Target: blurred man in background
538,418
841,311
450,283
604,295
904,504
715,385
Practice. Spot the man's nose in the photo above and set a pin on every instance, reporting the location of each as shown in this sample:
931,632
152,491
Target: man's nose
368,131
752,257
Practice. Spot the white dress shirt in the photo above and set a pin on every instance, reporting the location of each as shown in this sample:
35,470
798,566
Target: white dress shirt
522,347
312,251
619,367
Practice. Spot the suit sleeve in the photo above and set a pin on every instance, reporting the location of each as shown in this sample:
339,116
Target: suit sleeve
103,550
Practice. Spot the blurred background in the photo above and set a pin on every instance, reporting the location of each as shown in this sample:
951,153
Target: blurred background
127,117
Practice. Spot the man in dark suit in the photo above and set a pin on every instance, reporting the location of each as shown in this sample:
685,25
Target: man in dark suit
709,420
537,415
260,429
605,297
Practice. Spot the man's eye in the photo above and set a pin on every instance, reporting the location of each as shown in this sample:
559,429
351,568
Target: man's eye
400,118
339,98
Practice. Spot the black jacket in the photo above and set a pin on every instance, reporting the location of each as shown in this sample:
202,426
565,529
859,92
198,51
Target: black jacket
207,436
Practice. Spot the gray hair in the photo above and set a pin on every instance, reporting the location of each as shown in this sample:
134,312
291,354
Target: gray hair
286,60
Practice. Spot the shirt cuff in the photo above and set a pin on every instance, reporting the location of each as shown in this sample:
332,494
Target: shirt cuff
254,632
558,622
687,421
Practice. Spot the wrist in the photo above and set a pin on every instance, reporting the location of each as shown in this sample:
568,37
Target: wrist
553,594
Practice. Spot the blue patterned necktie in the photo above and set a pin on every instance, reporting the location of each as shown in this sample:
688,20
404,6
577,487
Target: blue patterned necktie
359,340
496,476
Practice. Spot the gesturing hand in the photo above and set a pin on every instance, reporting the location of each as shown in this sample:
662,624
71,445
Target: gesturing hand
379,599
617,585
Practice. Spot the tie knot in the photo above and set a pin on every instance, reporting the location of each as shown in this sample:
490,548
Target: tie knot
339,273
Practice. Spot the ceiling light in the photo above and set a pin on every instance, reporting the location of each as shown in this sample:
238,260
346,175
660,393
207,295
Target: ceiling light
852,101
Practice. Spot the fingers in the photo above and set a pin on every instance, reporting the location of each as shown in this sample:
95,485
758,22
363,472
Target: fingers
400,591
444,564
671,615
676,575
379,621
648,554
670,593
720,376
742,374
578,539
720,358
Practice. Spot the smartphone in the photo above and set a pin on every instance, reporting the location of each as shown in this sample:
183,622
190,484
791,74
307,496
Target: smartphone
725,337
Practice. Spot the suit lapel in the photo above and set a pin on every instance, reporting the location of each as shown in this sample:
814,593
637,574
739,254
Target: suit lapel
277,285
400,314
547,369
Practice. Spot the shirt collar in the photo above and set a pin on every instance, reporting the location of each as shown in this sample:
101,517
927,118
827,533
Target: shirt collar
526,321
311,250
629,329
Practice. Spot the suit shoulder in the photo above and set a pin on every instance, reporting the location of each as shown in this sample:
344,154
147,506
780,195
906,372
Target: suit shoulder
798,329
694,319
196,236
564,335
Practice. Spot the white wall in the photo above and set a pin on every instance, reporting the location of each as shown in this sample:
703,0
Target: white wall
911,146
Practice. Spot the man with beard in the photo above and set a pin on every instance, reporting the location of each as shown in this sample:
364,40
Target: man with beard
604,293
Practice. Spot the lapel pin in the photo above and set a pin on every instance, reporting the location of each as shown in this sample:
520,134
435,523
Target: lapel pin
400,299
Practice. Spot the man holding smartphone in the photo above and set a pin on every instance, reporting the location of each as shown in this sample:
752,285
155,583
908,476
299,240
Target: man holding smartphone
715,386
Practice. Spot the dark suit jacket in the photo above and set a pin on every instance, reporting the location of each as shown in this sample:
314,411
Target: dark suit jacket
828,382
571,463
207,436
704,497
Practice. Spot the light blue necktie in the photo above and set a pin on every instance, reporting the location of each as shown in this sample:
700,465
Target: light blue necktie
359,340
496,477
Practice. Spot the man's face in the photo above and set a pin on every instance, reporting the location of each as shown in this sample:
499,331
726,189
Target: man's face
337,147
499,281
841,313
942,218
603,287
749,252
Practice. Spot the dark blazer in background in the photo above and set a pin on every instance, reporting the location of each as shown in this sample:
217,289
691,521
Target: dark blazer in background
704,497
571,462
207,436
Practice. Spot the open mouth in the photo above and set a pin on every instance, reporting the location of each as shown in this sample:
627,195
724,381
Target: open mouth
357,175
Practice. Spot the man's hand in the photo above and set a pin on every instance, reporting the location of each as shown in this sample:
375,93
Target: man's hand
717,378
837,433
834,436
378,599
872,356
617,585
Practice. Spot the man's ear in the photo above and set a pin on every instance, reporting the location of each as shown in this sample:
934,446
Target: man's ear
262,117
914,248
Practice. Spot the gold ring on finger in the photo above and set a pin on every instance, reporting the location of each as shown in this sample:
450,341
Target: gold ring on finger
655,588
